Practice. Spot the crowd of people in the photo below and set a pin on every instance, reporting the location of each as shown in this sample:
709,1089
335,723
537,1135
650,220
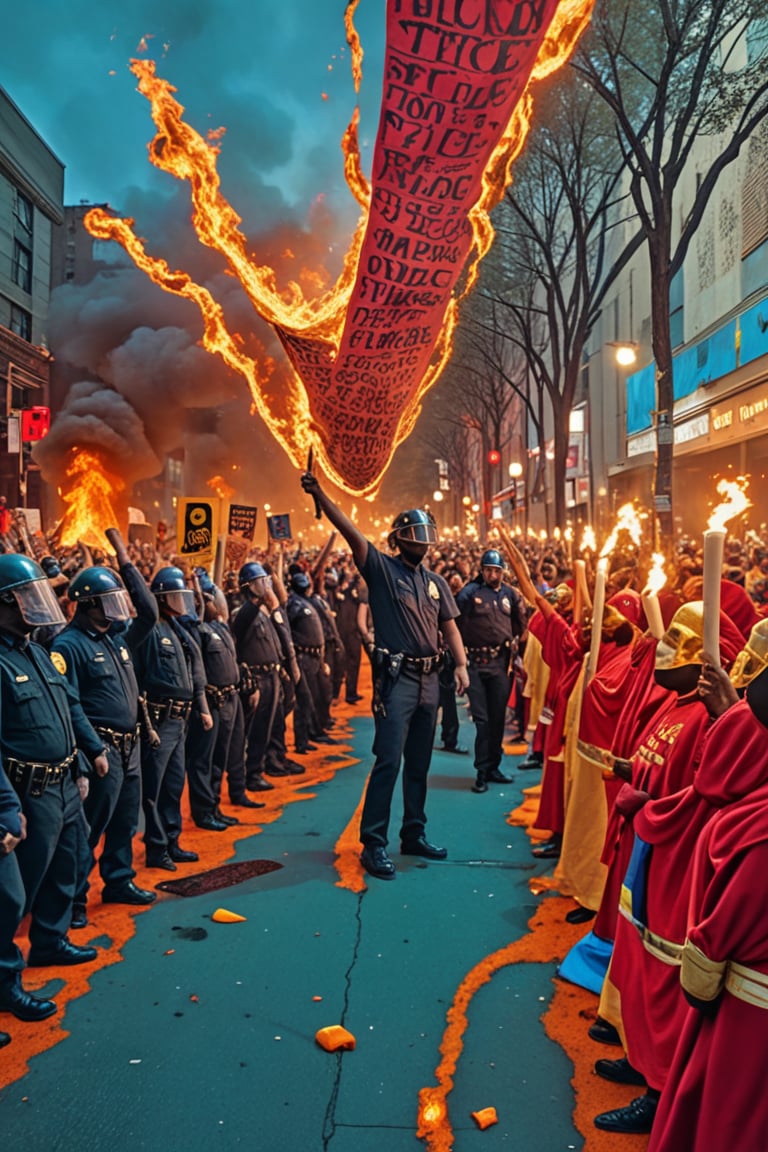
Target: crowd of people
126,677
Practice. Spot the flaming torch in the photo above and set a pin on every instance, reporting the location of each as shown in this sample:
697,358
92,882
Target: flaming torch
657,578
736,501
627,521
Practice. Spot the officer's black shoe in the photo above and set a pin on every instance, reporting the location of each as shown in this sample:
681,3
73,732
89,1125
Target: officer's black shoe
295,769
497,777
635,1119
64,953
353,699
480,784
302,749
534,762
127,893
246,802
605,1033
181,855
258,784
4,1039
619,1072
209,823
453,749
230,821
14,999
324,738
377,863
275,770
160,859
79,916
422,847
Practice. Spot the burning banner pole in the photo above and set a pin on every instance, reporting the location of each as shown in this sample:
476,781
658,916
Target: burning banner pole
735,502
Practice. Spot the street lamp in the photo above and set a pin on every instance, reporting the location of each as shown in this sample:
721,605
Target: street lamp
515,470
625,352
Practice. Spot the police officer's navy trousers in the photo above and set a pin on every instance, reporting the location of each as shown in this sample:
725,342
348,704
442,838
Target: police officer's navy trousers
48,861
162,778
111,810
488,692
406,734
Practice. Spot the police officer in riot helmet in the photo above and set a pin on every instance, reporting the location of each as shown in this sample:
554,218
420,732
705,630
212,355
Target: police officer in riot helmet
114,614
410,606
42,726
490,624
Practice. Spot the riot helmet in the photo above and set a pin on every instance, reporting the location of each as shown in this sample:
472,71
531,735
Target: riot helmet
24,585
300,582
170,588
251,571
413,527
101,587
491,558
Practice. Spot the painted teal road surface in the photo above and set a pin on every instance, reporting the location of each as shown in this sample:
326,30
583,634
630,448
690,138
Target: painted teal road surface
147,1067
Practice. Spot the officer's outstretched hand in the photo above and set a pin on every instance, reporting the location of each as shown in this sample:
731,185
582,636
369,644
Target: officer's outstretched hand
461,679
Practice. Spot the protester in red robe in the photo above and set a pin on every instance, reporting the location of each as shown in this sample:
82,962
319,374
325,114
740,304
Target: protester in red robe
714,1099
649,934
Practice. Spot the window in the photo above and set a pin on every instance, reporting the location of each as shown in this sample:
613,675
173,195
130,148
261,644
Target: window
22,266
24,213
21,322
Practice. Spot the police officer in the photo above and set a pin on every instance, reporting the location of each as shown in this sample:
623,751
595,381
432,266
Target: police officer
255,628
41,726
490,624
311,714
12,832
347,600
170,672
409,606
113,617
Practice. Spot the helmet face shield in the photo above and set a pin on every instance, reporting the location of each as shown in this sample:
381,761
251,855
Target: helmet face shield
181,602
116,605
417,534
38,604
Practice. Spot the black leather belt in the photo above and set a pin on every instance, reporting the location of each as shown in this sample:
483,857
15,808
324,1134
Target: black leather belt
33,777
486,652
308,651
220,694
423,664
263,667
161,710
123,741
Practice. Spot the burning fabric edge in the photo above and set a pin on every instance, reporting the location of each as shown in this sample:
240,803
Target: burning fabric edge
366,353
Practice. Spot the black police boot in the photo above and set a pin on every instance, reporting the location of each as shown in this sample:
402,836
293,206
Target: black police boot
62,953
534,762
14,999
4,1039
180,855
127,893
159,858
230,821
79,916
497,777
480,784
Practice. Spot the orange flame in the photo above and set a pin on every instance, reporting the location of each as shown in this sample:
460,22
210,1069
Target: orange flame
736,501
627,520
588,541
89,501
219,485
316,324
657,577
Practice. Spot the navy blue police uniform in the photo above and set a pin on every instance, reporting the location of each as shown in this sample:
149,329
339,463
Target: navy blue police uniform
490,623
309,643
100,667
259,652
407,605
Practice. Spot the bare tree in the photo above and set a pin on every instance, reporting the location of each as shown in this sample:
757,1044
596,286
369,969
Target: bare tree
672,72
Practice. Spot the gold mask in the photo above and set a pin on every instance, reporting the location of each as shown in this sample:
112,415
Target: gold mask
683,641
753,658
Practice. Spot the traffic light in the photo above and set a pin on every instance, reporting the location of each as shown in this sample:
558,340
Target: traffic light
494,456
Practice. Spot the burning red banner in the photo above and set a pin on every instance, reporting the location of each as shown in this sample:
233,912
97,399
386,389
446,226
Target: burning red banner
455,112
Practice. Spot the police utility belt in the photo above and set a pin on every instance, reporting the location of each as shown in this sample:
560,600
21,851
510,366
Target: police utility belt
217,695
161,710
486,653
394,661
308,651
124,742
32,777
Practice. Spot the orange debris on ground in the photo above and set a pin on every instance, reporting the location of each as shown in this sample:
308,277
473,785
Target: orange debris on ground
335,1038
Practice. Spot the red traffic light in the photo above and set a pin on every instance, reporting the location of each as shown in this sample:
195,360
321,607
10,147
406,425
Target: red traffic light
494,456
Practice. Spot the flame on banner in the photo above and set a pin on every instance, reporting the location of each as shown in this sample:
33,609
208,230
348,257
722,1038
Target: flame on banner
627,520
657,577
314,328
736,501
89,501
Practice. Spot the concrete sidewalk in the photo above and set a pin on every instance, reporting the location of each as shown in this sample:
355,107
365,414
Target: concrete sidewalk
205,1039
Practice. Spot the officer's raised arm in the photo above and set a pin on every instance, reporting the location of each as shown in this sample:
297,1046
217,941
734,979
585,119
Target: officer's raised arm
351,533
